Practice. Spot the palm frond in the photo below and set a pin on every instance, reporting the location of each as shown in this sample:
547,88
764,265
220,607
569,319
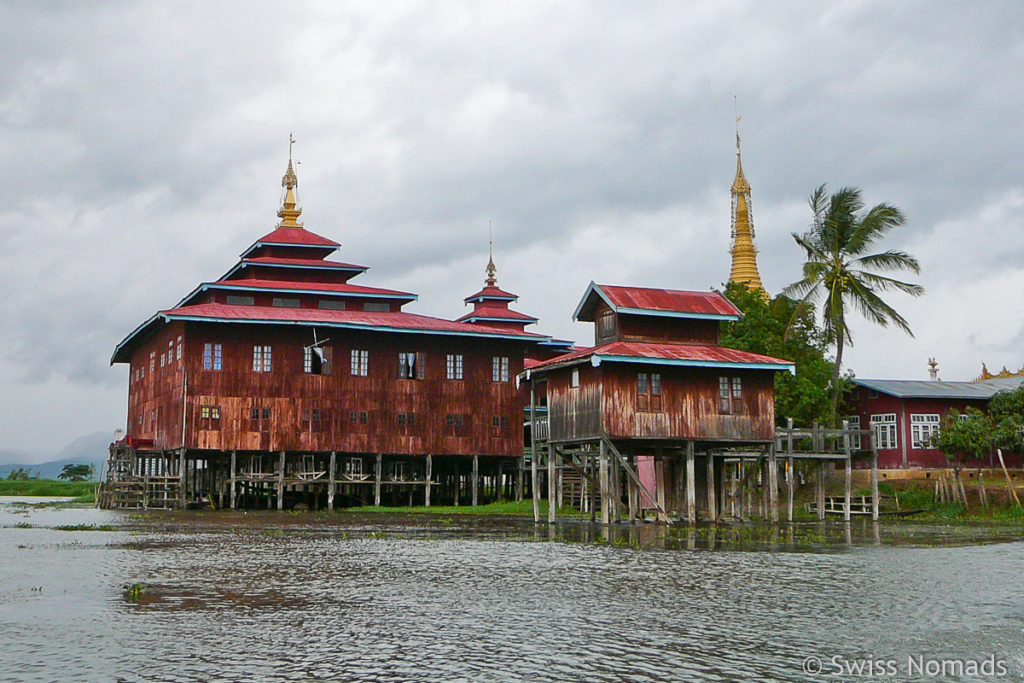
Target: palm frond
890,260
873,308
880,282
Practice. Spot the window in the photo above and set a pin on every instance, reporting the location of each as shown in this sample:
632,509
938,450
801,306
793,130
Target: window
453,365
373,307
648,391
209,417
724,400
410,365
456,425
406,418
360,362
884,429
359,417
499,423
922,428
163,359
872,394
354,467
334,306
853,421
499,369
235,300
737,388
211,356
259,419
316,360
261,358
855,394
179,347
311,418
962,417
152,362
606,325
574,380
281,302
142,371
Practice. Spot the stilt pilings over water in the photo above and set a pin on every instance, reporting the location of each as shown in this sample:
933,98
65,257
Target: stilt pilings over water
691,481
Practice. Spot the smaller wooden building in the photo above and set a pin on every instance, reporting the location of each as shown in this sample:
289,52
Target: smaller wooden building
656,387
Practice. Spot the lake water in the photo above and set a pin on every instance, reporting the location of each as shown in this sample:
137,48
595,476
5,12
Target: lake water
307,596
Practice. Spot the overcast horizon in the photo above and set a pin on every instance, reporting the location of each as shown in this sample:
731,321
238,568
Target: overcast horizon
144,143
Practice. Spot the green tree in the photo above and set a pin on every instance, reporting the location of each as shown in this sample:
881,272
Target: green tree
19,474
965,441
1006,411
75,473
774,327
841,271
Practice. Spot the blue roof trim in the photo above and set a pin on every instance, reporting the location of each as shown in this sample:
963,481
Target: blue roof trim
592,287
697,363
317,292
352,326
473,299
341,267
525,321
132,334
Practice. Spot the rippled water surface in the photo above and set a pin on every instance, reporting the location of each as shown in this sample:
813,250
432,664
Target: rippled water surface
300,597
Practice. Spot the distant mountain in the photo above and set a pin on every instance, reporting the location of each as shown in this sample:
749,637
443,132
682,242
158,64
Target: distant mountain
87,450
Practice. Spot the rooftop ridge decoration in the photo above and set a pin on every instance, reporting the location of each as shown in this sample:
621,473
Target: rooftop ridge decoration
289,212
492,271
743,252
1002,374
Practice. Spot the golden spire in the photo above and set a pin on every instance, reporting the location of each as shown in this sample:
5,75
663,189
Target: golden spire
743,251
289,214
492,271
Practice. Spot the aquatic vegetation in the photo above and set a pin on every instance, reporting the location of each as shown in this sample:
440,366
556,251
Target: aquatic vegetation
85,527
134,592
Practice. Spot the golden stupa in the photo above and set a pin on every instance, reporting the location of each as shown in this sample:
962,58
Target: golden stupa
743,251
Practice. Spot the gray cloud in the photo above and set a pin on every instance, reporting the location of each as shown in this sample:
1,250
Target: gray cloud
142,145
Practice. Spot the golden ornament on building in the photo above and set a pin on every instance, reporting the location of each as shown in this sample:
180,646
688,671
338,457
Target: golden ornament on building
743,251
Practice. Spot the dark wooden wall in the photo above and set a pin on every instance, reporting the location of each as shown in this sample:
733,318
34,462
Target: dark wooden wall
287,392
652,328
607,398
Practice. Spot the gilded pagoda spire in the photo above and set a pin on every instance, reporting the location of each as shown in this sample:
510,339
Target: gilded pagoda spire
743,251
289,213
492,270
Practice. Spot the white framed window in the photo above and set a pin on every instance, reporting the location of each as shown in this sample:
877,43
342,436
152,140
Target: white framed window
360,362
316,360
453,365
962,417
261,358
884,428
853,421
499,369
410,365
163,359
179,347
574,381
923,426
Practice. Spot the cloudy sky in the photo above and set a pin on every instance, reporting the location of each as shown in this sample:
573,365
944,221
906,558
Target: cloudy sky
143,145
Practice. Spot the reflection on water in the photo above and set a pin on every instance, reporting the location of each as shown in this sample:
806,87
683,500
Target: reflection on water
281,596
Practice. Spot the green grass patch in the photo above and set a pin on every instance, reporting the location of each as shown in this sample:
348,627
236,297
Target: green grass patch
85,527
47,488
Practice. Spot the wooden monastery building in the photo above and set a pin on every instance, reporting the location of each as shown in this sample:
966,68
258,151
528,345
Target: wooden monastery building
284,379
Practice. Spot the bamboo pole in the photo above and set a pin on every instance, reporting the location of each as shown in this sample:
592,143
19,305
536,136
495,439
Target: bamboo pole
712,505
330,482
280,483
773,485
552,480
475,481
848,473
874,482
1009,482
691,486
790,472
376,480
233,483
603,478
534,476
430,476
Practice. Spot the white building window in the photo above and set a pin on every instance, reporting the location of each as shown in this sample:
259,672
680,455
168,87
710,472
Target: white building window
261,359
575,380
453,365
499,369
360,362
853,421
922,428
884,428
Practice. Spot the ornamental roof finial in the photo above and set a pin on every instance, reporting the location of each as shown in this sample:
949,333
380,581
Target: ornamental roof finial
492,271
289,214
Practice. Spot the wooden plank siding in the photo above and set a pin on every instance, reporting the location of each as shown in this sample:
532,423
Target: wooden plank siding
606,400
287,392
653,328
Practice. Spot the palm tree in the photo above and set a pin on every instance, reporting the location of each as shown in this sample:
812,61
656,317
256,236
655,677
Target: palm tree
840,269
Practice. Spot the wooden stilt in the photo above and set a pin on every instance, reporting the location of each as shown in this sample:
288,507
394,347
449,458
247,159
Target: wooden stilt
691,485
848,473
233,471
773,486
376,480
330,481
552,480
874,482
475,481
181,477
820,490
603,479
790,472
430,476
280,483
616,489
534,487
633,495
659,476
712,506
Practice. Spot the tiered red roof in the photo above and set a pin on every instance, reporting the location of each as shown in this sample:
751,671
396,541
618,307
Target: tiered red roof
658,302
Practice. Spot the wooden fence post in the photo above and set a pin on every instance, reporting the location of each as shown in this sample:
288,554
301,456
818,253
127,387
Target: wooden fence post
280,483
691,485
603,479
712,503
233,470
773,485
430,475
376,480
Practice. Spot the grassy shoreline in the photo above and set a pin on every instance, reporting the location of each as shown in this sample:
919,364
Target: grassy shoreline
81,491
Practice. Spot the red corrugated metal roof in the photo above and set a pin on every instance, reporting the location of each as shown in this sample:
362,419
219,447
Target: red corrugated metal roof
497,311
675,300
491,292
276,260
340,287
399,321
299,237
690,353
